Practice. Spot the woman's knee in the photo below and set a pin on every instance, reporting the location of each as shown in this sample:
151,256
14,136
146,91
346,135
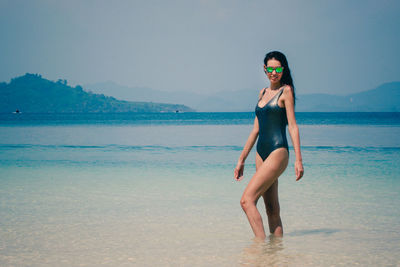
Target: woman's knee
246,202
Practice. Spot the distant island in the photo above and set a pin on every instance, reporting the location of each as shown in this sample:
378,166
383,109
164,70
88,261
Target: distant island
31,93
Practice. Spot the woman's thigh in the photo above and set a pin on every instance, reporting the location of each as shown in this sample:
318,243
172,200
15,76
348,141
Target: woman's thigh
266,173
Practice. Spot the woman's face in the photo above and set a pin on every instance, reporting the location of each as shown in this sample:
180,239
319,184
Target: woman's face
274,70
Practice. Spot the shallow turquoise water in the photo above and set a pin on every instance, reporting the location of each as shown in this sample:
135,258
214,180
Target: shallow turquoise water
148,195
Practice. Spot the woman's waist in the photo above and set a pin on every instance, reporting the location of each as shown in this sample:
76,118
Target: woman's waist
272,131
272,138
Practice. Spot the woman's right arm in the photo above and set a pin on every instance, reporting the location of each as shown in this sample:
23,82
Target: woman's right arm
238,173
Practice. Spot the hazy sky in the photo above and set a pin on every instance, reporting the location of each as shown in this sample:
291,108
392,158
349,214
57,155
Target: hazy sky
335,46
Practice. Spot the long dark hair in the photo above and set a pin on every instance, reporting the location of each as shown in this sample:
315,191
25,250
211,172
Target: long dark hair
286,75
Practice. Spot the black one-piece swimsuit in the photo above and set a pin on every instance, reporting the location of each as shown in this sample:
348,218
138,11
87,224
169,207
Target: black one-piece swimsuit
272,123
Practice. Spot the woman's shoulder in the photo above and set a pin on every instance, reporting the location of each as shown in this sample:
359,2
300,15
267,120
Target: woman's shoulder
287,93
287,89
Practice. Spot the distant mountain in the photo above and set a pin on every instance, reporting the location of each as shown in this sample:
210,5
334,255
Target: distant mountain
381,99
384,98
34,94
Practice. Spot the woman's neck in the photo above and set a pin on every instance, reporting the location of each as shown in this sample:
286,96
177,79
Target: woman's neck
275,86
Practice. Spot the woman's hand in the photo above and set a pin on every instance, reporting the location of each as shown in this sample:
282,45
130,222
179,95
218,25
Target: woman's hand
298,168
238,173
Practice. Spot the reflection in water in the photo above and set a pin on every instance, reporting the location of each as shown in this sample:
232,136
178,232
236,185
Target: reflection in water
270,252
322,231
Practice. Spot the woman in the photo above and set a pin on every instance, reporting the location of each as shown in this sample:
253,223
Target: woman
274,110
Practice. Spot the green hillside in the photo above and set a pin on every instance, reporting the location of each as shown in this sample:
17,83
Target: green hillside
33,94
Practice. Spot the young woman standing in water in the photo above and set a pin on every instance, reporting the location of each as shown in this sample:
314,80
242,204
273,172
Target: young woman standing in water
274,110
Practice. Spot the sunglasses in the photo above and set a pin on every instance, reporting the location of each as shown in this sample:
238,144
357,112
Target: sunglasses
277,69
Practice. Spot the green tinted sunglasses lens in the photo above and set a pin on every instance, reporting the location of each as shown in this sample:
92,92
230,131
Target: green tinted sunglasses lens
270,69
277,69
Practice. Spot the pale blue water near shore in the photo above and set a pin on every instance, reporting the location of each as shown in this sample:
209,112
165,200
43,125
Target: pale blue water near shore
157,190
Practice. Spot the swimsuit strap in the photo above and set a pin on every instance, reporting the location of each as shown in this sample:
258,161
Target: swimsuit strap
280,92
262,94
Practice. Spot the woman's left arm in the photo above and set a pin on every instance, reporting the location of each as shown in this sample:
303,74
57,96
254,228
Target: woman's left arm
293,130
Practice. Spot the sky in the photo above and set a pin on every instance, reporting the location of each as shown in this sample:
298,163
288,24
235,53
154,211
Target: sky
204,46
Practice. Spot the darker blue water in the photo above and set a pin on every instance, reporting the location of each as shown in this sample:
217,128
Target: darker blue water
198,118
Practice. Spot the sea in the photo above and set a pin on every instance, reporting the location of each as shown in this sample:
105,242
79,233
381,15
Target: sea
146,189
